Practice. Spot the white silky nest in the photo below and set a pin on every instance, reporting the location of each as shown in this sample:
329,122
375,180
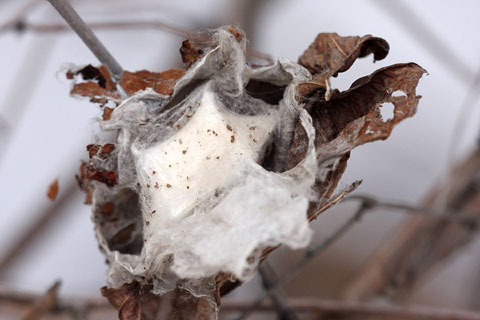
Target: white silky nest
193,182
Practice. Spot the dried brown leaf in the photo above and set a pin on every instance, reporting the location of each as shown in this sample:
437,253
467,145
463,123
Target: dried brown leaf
90,72
162,82
107,113
313,214
237,34
53,190
92,149
330,54
225,282
133,301
88,172
187,307
99,85
106,149
107,209
104,176
352,118
190,52
109,84
92,89
123,236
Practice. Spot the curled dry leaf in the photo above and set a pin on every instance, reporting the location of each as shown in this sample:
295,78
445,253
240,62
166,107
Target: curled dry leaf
89,172
237,34
99,85
133,301
92,149
190,52
102,151
161,82
106,149
185,306
52,192
107,113
300,132
351,118
330,54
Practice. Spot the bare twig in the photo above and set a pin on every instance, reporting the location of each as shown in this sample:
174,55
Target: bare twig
269,277
27,75
468,104
77,307
466,222
334,308
337,309
43,305
421,242
88,37
19,15
115,25
38,227
420,31
309,255
138,24
335,199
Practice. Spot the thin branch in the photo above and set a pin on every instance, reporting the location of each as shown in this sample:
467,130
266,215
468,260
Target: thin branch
419,244
115,25
19,15
468,223
309,255
466,107
62,305
43,221
269,277
427,38
44,304
138,24
348,309
88,37
335,199
334,308
27,75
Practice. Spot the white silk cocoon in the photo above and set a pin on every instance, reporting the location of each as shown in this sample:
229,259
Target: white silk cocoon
191,178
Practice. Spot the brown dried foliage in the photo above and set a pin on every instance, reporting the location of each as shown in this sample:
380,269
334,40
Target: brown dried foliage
190,52
345,120
123,236
162,82
52,192
186,307
100,85
237,34
330,54
92,149
107,113
103,151
107,209
133,301
106,149
88,172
